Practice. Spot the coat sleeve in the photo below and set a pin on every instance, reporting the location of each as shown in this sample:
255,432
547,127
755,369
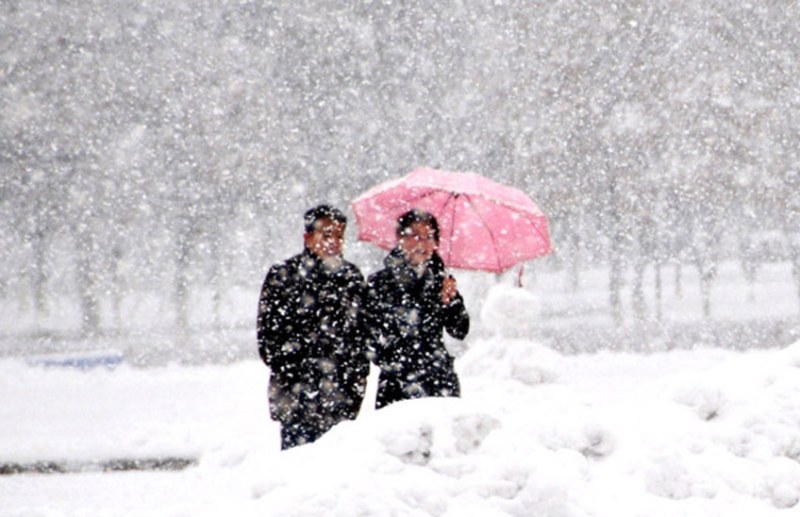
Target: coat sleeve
373,320
456,318
272,309
356,357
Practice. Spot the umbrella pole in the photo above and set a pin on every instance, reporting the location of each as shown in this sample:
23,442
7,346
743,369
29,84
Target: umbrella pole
519,274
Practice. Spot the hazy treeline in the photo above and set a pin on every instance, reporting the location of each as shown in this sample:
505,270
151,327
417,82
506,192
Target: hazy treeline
156,146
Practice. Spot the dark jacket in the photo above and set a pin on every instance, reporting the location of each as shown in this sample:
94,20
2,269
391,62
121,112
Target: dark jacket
407,318
309,337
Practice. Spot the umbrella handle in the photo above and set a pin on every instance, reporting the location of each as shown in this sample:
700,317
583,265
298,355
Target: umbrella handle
448,276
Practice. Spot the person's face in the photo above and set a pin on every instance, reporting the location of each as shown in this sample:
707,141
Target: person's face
327,239
418,243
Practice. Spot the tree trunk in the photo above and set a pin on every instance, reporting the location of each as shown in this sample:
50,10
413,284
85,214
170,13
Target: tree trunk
678,280
749,268
117,287
615,273
615,287
183,247
639,267
707,271
216,279
795,257
639,306
705,255
659,293
40,305
705,292
182,287
574,260
87,292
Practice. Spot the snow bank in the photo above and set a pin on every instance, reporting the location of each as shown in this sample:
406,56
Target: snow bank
512,312
691,433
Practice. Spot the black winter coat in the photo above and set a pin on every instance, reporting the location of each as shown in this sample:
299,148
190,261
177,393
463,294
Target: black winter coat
407,320
308,335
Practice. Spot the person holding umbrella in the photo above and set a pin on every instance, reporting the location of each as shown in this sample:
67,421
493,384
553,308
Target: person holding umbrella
409,305
483,225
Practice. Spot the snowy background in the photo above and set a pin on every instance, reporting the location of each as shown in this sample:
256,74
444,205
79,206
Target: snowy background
156,159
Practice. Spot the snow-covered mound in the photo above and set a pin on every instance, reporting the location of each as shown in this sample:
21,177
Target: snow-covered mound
690,433
512,312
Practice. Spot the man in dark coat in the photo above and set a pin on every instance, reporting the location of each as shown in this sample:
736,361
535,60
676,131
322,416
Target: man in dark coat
308,333
409,305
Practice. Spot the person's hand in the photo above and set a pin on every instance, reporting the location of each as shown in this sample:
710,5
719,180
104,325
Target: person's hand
449,290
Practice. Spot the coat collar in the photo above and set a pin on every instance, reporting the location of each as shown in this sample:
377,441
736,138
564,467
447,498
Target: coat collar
312,263
396,263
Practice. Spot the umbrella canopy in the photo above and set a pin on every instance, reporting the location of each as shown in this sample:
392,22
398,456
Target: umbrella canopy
483,225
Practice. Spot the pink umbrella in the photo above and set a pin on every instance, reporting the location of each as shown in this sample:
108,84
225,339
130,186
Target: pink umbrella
483,225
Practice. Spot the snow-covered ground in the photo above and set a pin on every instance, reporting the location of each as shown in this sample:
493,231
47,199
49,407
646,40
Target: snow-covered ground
697,431
691,433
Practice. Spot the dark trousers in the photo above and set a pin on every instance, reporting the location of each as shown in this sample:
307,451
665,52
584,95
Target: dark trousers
299,433
396,387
